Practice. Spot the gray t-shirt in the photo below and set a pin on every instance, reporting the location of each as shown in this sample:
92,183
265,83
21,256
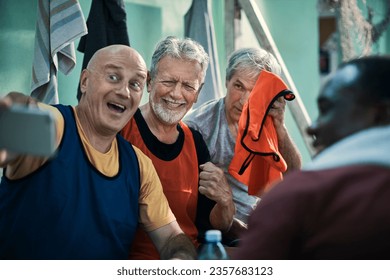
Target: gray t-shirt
210,120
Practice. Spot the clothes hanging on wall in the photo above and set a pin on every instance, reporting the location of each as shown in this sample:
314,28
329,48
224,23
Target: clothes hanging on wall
59,24
199,26
257,161
106,26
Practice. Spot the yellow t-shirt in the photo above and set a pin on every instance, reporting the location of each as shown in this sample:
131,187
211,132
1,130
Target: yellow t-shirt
154,211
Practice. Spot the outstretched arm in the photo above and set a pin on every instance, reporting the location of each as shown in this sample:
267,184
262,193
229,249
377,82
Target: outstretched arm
20,165
10,99
287,147
213,184
172,243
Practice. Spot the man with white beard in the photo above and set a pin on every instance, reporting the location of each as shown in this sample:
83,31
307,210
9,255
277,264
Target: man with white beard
196,189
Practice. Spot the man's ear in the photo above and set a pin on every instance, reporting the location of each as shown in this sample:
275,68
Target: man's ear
84,81
198,92
148,81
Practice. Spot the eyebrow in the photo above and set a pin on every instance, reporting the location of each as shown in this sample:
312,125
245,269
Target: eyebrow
120,68
165,78
112,66
239,81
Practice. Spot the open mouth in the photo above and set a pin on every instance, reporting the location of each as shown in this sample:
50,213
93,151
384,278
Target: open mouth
116,107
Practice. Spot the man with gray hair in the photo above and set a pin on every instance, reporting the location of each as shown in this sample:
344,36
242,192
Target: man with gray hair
217,121
196,189
337,206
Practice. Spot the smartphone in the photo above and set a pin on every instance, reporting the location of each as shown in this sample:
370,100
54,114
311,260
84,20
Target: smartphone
27,130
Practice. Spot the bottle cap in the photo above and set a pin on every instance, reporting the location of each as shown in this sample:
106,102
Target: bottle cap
213,235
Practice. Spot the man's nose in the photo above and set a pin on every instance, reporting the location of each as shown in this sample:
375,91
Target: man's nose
177,89
124,90
244,98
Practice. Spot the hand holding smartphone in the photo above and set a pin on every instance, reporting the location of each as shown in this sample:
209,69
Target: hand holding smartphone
27,130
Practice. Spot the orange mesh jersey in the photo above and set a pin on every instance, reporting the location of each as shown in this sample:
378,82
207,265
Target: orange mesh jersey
257,161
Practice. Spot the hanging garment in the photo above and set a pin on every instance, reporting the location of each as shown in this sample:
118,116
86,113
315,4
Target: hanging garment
257,161
59,24
106,26
198,25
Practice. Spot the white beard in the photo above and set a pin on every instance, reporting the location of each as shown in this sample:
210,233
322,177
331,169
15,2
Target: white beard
166,115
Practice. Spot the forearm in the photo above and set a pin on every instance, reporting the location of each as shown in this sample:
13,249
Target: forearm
237,228
288,149
20,165
215,186
221,216
178,247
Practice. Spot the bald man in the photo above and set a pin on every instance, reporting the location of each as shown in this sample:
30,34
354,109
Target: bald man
86,201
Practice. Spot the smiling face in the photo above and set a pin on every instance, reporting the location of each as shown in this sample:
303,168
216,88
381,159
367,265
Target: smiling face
112,88
174,89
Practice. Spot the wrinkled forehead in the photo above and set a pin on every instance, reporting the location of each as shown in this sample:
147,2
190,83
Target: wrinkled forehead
248,73
124,61
119,53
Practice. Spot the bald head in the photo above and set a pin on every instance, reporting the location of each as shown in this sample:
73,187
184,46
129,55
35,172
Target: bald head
115,50
365,78
110,52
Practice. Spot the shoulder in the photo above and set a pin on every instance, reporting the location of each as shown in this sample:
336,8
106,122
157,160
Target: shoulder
150,182
57,114
207,119
304,187
202,152
202,114
198,138
200,145
295,188
143,160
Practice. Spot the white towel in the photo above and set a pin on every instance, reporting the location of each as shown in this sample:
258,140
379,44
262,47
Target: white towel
59,24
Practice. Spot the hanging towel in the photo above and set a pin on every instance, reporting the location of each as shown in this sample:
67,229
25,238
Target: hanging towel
59,24
106,26
257,161
198,25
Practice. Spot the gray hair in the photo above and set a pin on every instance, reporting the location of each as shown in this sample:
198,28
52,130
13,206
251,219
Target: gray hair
179,48
252,60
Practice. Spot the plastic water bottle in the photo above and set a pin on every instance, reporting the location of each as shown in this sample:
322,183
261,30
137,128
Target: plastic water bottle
213,249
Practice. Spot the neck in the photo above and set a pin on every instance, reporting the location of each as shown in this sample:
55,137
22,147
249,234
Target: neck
100,141
165,133
233,126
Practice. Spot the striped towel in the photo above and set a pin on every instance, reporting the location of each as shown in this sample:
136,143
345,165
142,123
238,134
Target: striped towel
59,24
